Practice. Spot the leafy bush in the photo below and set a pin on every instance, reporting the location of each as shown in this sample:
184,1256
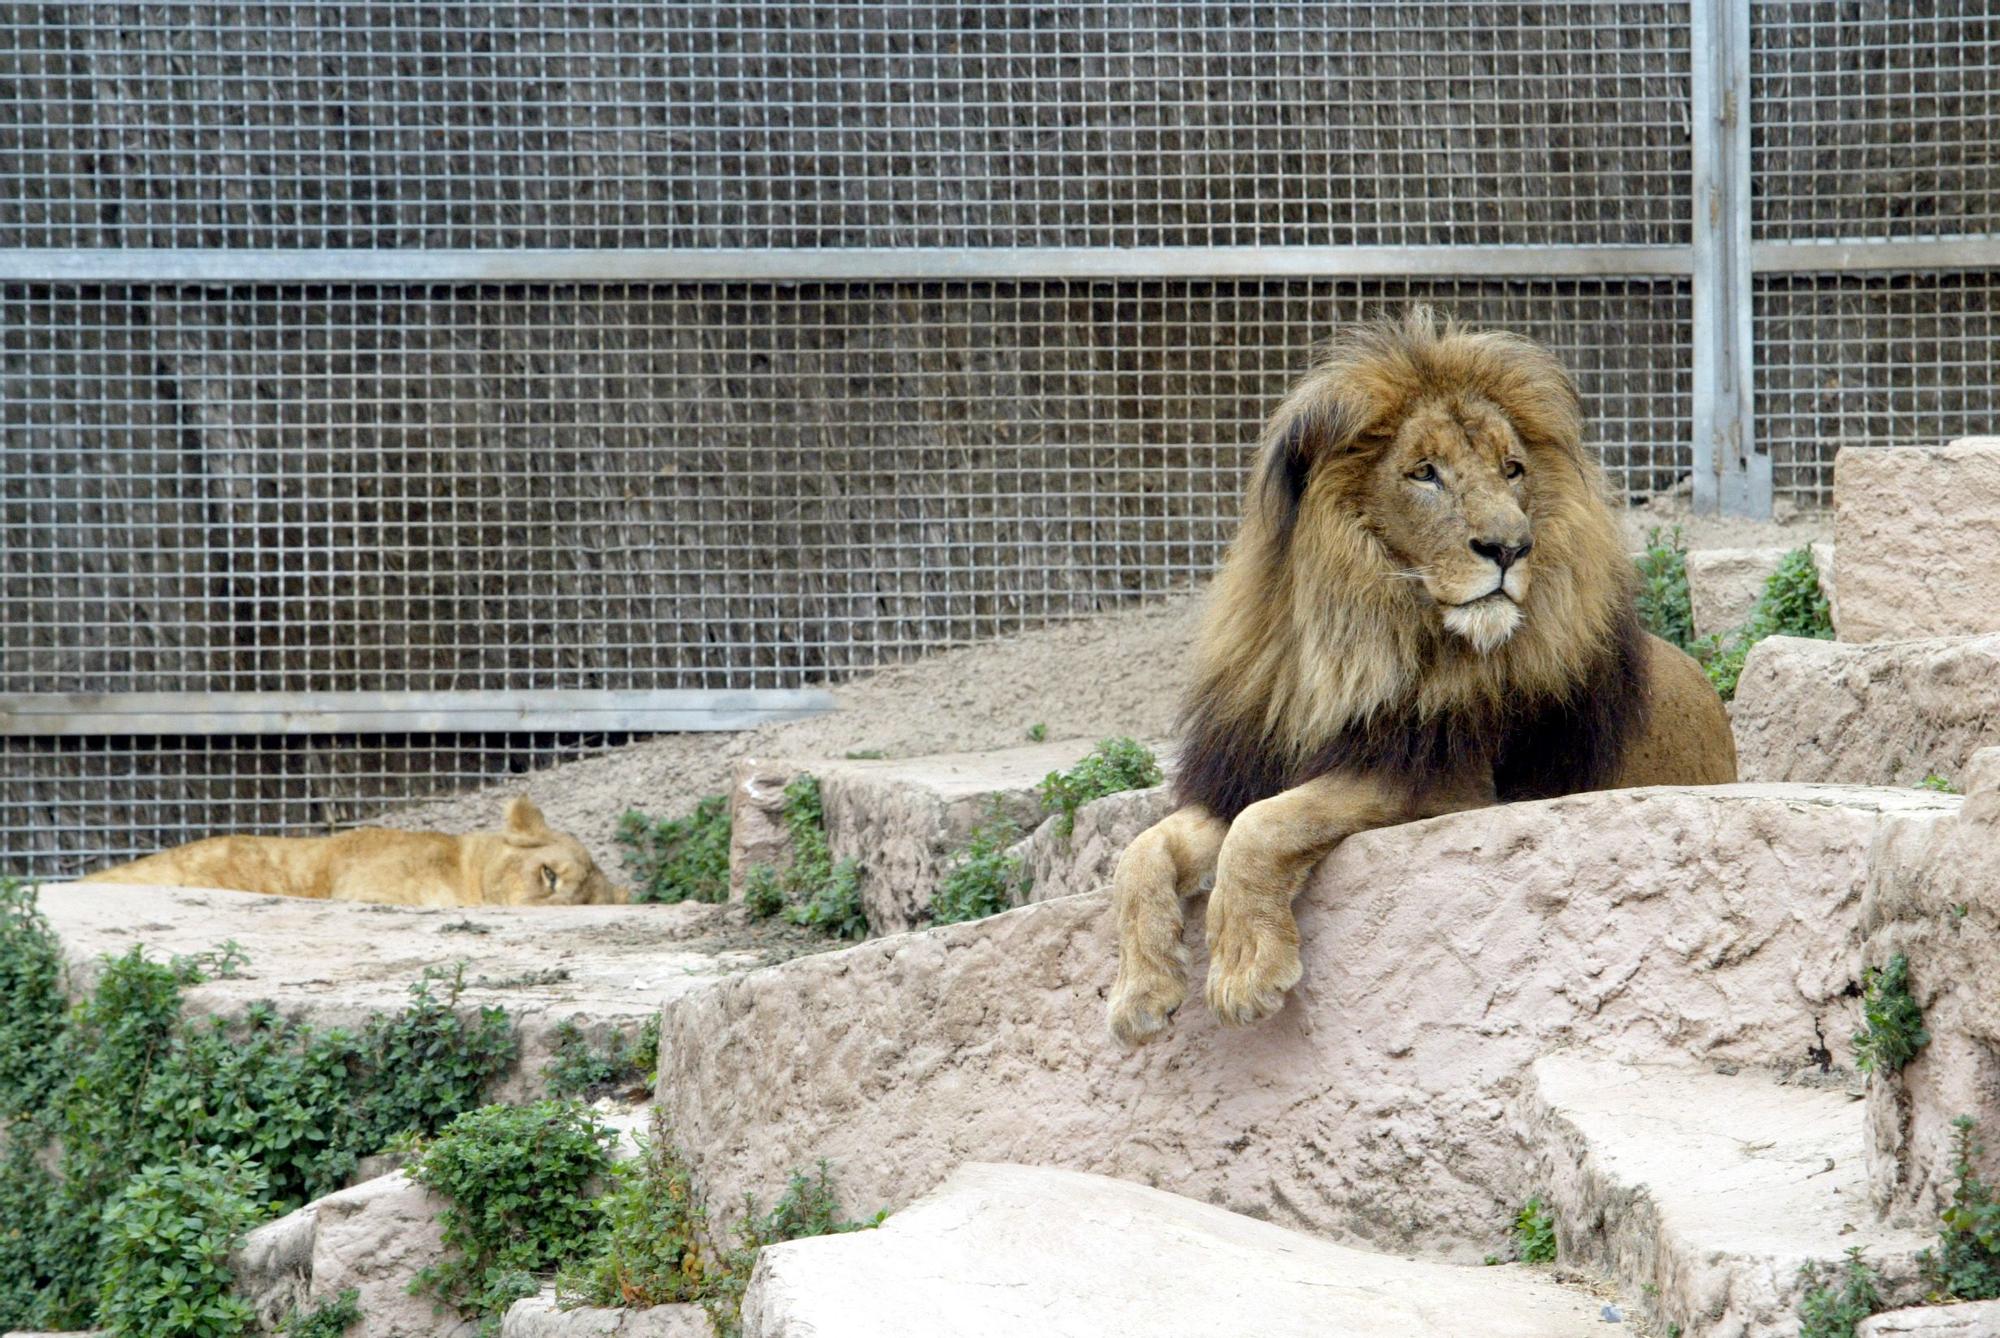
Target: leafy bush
1832,1306
581,1069
1965,1263
1893,1029
982,878
808,1207
1535,1233
1038,732
814,891
650,1252
1114,765
166,1242
1938,783
32,1003
1791,605
329,1319
678,859
1664,606
518,1182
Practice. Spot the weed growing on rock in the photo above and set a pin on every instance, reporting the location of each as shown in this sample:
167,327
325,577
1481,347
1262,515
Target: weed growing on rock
518,1180
815,891
166,1242
329,1319
587,1071
983,878
1938,783
1664,606
808,1207
1791,605
1113,766
1893,1028
1038,733
1535,1233
1837,1298
678,859
1965,1264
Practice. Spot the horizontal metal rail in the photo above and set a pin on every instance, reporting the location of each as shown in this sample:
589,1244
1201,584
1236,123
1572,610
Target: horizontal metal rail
582,711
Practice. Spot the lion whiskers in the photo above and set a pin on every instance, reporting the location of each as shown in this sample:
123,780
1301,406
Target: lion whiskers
1486,624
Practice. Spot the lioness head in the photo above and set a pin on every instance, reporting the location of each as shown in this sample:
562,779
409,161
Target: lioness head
536,865
1451,450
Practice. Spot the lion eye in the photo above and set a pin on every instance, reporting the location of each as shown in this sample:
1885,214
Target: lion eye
549,877
1515,469
1425,473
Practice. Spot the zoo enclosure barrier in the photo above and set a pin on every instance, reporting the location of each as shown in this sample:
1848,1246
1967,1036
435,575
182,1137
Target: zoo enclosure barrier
398,397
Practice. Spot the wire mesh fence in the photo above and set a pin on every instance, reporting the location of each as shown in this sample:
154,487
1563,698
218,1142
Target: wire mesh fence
254,443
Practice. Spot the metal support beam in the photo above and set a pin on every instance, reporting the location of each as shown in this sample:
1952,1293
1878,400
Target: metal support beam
49,714
1732,475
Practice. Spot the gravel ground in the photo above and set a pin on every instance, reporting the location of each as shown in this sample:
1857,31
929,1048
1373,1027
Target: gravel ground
1117,673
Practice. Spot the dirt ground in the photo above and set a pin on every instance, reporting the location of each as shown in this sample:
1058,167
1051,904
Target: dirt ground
1116,673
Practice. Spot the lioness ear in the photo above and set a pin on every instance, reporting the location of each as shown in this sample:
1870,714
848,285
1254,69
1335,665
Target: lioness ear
1312,423
525,825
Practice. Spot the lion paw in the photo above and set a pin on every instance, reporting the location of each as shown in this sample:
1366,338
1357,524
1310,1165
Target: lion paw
1249,972
1142,1002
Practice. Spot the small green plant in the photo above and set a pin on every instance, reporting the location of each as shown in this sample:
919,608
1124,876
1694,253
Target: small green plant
583,1069
1791,605
166,1242
1893,1029
1664,606
1965,1263
983,878
1837,1297
1038,733
32,1004
651,1250
815,891
1535,1233
865,755
808,1207
331,1318
678,859
1112,766
518,1183
1938,783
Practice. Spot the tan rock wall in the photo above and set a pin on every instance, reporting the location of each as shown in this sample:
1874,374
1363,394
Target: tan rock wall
1914,540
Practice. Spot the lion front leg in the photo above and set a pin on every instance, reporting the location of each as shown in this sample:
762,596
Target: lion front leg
1253,941
1163,866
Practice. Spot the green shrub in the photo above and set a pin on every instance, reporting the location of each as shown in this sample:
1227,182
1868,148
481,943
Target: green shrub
1791,605
579,1068
1833,1305
1938,783
1664,607
1893,1029
808,1207
1535,1233
1038,732
678,859
650,1252
518,1181
32,1003
982,878
815,891
166,1242
1114,765
329,1319
1965,1263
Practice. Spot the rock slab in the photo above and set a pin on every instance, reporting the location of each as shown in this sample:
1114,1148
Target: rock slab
1971,1319
1001,1251
1885,714
1058,865
1914,550
539,1317
1724,584
1441,959
1707,1193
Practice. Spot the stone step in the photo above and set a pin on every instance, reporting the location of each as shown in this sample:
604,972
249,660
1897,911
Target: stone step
1083,860
1724,584
1707,1193
539,1317
1000,1251
1883,714
1913,530
1967,1319
901,819
1441,958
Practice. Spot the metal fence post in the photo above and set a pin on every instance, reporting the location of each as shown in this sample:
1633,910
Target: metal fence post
1732,475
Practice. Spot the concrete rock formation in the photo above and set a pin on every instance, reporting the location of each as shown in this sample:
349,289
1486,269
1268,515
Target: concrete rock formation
1724,584
539,1317
1914,551
1083,861
1005,1251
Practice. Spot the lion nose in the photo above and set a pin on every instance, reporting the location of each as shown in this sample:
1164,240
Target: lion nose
1502,556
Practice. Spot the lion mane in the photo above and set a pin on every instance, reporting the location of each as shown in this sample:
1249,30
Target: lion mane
1316,654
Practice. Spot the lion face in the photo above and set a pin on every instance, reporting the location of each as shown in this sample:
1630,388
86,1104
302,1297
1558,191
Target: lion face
1449,496
541,866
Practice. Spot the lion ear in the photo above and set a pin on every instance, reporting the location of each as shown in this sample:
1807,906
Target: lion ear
525,824
1312,424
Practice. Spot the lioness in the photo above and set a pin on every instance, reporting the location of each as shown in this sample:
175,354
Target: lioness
1427,608
527,864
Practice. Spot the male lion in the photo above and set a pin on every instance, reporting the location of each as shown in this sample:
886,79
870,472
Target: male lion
527,864
1427,608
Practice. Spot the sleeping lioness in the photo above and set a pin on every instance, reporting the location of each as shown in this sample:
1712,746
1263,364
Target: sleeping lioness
527,864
